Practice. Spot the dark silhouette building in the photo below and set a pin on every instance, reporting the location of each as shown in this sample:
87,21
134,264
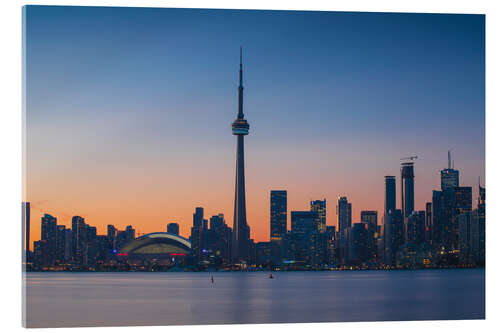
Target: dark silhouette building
302,223
390,194
370,219
173,228
278,214
393,235
197,233
407,189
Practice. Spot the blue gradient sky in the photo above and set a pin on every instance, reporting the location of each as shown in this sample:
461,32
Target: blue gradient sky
129,110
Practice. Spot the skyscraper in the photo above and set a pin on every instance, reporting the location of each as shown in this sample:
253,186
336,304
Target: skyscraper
319,206
407,189
449,176
241,232
197,232
344,217
393,235
278,214
302,228
370,219
198,217
390,194
48,239
79,235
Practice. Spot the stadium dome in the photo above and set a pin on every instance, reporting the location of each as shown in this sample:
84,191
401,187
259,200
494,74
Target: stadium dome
157,244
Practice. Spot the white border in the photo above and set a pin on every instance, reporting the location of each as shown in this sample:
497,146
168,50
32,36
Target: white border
10,140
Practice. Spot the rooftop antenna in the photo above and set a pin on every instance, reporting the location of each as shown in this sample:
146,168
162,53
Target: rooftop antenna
449,160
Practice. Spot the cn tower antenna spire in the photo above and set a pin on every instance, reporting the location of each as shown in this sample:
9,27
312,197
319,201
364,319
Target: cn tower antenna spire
240,88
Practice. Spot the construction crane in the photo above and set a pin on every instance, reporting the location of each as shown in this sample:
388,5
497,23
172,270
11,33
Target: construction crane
411,158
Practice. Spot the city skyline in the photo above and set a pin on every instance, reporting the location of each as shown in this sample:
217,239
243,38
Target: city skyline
171,174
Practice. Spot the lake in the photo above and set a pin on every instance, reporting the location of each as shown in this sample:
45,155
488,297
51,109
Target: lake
68,299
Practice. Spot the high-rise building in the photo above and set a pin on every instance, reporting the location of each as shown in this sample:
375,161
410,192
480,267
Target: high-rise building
197,233
241,231
416,228
278,214
198,217
471,238
393,235
449,176
302,223
319,206
173,228
79,241
447,205
61,243
463,199
359,244
407,189
390,194
49,239
344,218
319,248
370,219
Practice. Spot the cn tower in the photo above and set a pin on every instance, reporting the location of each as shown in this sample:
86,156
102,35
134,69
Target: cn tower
241,232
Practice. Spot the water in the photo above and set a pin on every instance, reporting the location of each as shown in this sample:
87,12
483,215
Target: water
120,299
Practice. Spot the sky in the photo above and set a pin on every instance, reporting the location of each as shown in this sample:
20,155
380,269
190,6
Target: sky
129,110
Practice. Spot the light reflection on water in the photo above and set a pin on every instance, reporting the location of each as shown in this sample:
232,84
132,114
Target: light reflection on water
118,299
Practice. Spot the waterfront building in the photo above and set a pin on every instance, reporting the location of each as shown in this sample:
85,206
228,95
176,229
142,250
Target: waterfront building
393,235
359,244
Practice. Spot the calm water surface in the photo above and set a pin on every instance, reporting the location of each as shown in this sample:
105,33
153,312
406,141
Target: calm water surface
119,299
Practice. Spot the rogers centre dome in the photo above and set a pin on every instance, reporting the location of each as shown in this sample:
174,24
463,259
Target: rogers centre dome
156,245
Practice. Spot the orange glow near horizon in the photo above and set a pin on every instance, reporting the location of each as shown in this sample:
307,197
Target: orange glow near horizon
151,199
